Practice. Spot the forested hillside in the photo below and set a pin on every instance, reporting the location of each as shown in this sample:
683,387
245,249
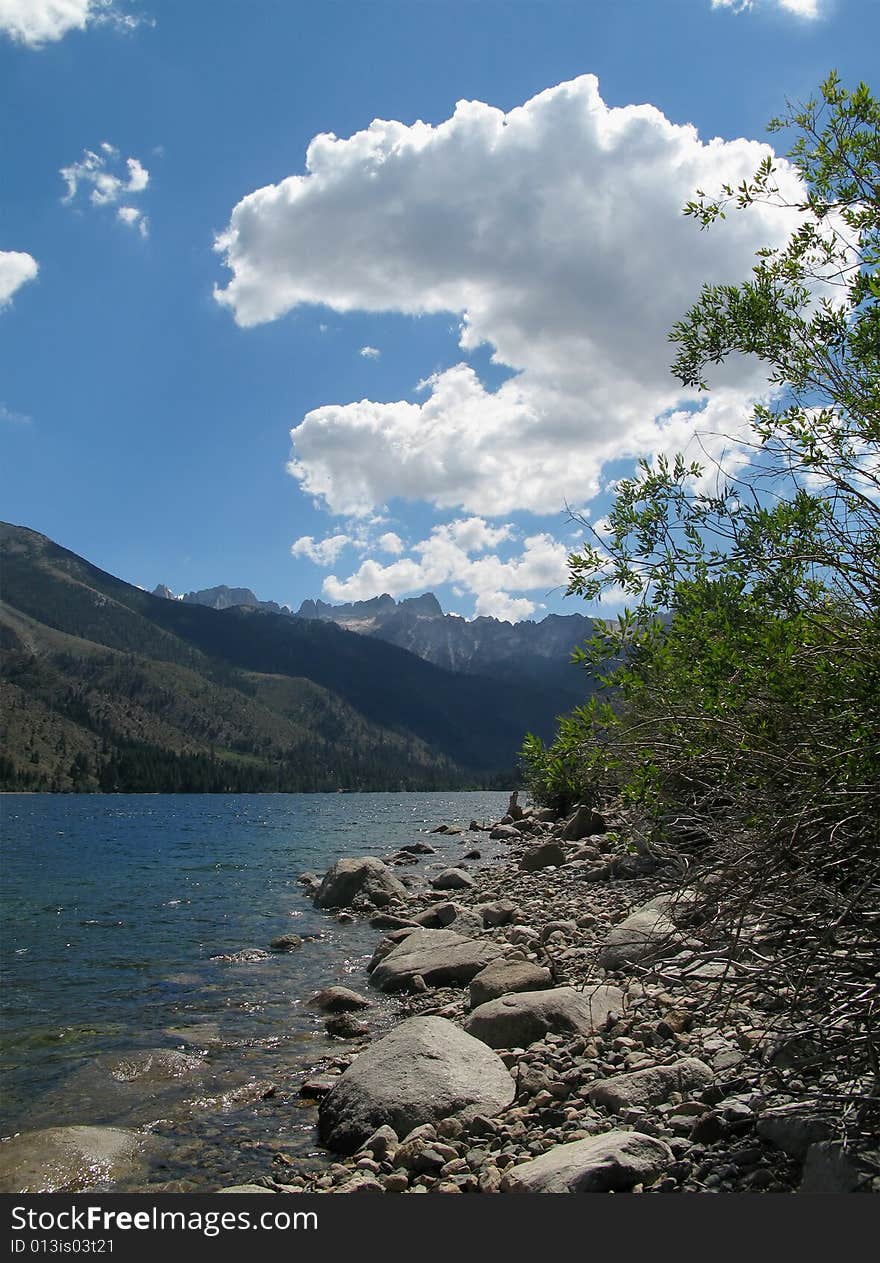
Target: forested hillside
108,687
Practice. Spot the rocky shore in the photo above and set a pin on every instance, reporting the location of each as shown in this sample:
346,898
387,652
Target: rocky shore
562,1024
560,1030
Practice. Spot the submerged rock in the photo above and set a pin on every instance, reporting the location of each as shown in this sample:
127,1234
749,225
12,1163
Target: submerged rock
346,1026
246,957
74,1159
425,1070
338,1000
152,1067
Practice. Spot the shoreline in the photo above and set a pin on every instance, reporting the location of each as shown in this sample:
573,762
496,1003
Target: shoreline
642,1048
684,1065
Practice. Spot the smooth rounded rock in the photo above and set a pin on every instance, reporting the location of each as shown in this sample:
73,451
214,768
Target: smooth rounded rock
651,1086
440,957
73,1159
364,877
453,879
424,1070
648,932
338,1000
451,916
547,855
514,1021
613,1162
245,1188
504,977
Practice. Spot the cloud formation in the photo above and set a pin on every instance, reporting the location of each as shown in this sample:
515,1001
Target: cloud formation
16,268
801,8
370,352
555,233
12,417
110,181
35,23
323,552
457,553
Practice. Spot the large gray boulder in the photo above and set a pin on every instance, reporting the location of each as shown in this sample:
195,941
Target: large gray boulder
614,1162
453,879
514,1021
651,1086
74,1159
425,1070
585,823
650,931
504,977
441,957
547,855
500,912
364,877
504,833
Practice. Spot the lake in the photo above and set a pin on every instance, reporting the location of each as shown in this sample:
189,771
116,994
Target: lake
113,906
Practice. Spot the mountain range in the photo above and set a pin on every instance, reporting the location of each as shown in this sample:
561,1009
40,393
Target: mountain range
106,686
482,646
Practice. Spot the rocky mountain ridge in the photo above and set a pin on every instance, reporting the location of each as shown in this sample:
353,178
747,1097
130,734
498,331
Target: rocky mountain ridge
480,646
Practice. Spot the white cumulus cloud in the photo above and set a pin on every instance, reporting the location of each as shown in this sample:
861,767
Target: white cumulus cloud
16,268
323,552
370,352
391,543
35,23
802,8
446,556
109,182
554,232
134,218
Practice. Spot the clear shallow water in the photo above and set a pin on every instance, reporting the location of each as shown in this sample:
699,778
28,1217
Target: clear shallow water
112,908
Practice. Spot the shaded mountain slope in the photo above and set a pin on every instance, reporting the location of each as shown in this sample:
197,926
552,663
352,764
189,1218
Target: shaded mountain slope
254,693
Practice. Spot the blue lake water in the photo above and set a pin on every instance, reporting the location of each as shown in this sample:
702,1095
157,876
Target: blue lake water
112,908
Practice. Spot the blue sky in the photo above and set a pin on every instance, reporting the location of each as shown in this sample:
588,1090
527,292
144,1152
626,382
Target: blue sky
460,312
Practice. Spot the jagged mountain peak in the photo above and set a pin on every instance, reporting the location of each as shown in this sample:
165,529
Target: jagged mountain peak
479,646
221,598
